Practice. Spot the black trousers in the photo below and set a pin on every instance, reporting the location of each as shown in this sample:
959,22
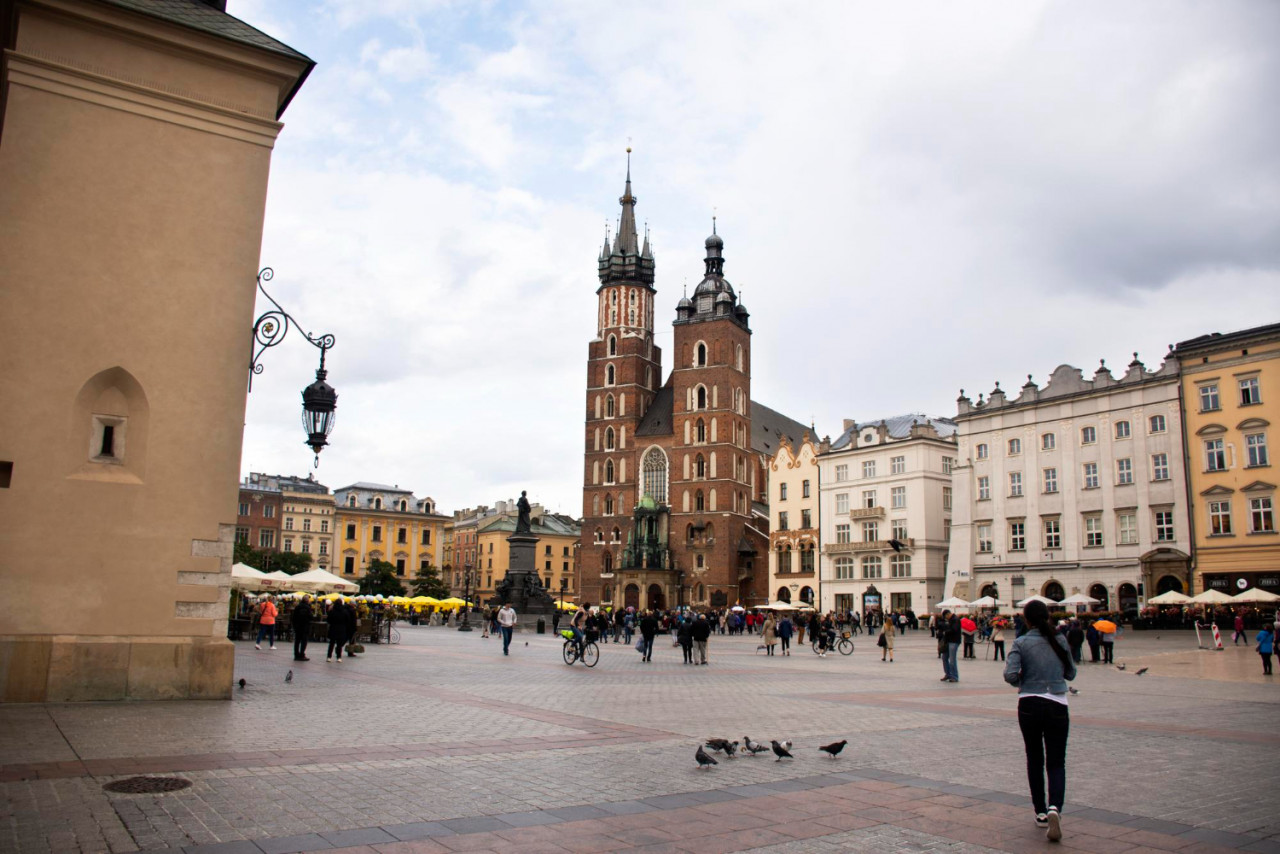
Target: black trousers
336,640
1266,663
1093,653
997,653
1107,650
300,642
1044,724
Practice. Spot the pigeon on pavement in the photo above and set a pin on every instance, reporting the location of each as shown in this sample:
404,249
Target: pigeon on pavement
752,747
1120,667
780,751
242,683
288,677
704,761
834,748
722,745
1142,671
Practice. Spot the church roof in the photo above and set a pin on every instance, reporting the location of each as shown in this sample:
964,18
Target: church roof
771,429
657,418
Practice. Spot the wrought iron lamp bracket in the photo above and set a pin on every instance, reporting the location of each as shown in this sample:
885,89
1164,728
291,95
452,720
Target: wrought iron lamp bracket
273,325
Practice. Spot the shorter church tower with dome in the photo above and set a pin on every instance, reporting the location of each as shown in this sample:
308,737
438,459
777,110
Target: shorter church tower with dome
674,497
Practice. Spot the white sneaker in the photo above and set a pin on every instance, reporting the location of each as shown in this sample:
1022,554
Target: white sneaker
1054,833
257,646
272,649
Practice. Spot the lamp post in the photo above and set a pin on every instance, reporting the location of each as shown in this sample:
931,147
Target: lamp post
466,595
319,400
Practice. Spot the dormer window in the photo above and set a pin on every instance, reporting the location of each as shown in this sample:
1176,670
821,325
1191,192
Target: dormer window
351,501
404,505
377,504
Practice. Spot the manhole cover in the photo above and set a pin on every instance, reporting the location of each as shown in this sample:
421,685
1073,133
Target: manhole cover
146,785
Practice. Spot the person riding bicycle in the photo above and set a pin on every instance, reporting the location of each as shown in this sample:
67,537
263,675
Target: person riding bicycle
578,626
829,632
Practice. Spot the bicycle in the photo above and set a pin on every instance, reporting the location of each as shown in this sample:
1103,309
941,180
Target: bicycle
589,654
843,645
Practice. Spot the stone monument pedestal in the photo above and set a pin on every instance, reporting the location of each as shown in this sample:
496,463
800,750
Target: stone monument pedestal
522,586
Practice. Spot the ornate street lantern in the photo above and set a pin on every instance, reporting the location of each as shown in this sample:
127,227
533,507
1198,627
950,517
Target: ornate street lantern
319,400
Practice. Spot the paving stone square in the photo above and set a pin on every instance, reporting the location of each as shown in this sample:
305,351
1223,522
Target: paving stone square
441,743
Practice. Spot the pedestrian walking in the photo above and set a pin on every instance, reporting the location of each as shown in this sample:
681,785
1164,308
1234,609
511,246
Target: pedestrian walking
770,632
300,621
1075,640
1240,632
507,625
701,633
886,642
1040,666
997,640
684,636
267,624
785,630
337,620
800,627
966,635
1265,646
1094,638
949,645
1109,646
353,626
648,631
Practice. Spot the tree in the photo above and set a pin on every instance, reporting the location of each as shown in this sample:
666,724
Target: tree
427,583
381,578
290,563
248,555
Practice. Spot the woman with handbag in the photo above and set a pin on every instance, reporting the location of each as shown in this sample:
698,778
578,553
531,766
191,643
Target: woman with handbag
886,641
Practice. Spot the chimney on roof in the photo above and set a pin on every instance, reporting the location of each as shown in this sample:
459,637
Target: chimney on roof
220,5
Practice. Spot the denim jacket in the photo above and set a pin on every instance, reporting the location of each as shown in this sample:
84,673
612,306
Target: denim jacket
1035,669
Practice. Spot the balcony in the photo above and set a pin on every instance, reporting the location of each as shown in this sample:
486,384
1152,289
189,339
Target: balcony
871,546
866,513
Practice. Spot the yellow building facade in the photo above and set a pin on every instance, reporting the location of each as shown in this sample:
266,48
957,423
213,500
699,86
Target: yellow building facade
555,553
136,145
1231,412
307,521
379,522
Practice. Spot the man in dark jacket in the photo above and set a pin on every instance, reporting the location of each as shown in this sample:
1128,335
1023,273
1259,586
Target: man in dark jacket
701,632
951,636
648,631
1075,640
337,620
300,621
353,623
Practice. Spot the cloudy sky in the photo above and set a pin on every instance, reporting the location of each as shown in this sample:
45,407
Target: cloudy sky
915,198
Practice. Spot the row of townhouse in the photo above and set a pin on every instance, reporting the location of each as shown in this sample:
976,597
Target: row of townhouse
1116,487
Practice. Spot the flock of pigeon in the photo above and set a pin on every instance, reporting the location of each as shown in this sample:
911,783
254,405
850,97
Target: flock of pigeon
781,749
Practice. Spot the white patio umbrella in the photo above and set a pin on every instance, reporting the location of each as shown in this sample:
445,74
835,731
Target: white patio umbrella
1079,599
1255,595
1212,597
245,577
738,608
986,602
953,602
1037,598
323,581
1170,597
780,606
278,580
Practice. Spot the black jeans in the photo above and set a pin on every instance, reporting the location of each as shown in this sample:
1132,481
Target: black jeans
786,643
300,642
686,647
1107,650
1044,724
336,639
1266,663
997,653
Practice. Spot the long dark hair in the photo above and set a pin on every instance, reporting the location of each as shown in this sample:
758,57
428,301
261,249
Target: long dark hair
1036,614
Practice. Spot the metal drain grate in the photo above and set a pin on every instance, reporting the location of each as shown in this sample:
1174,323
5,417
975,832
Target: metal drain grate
146,785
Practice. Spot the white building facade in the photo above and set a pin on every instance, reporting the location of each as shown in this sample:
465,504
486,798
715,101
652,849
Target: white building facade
794,523
882,481
1078,487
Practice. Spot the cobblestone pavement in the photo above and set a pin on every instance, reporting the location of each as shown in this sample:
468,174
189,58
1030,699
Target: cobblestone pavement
442,744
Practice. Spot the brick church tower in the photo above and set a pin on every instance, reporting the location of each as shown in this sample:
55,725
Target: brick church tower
624,369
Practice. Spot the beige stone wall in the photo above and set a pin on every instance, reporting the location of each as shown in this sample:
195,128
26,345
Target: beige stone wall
134,164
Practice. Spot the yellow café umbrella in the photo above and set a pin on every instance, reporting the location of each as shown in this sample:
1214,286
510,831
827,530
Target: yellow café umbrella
566,606
425,600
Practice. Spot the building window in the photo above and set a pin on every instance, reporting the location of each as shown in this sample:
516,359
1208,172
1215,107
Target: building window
1215,455
655,475
806,518
804,489
402,536
242,535
306,524
377,504
267,539
842,503
946,498
1052,534
1157,424
348,565
806,559
1088,435
1122,429
377,533
871,567
868,468
897,465
288,523
1256,444
698,503
870,532
1051,480
842,472
287,544
1017,536
1048,441
1159,466
844,569
981,451
608,375
898,497
984,539
946,530
899,529
1015,447
351,532
782,521
1220,518
782,492
1124,471
1093,530
1249,392
351,501
900,566
306,547
324,547
947,464
1090,475
1015,484
244,508
608,439
984,488
843,534
426,537
1209,397
1261,520
1164,526
1127,529
869,499
608,471
701,430
324,526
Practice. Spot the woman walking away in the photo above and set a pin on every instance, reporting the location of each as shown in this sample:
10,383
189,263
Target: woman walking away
784,634
1040,666
770,632
685,636
337,620
886,641
997,641
1266,643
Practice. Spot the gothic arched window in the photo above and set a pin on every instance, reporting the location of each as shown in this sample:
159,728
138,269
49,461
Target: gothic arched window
654,468
700,467
702,430
608,375
608,407
698,503
702,354
608,439
613,345
608,471
702,397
